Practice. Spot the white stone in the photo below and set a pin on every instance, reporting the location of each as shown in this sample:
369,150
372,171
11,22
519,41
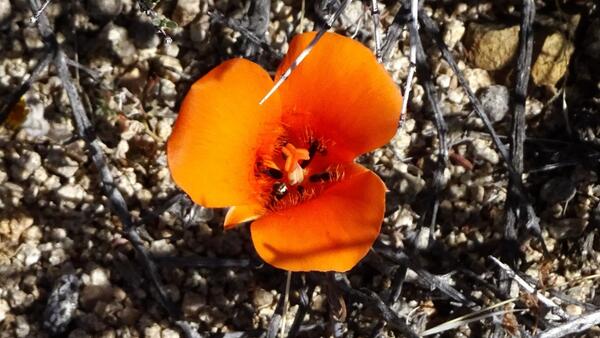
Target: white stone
161,247
152,331
456,95
5,10
4,309
186,11
168,333
99,277
70,192
22,328
57,256
443,81
29,254
454,32
482,150
27,163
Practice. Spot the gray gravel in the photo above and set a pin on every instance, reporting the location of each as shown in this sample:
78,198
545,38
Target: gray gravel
66,267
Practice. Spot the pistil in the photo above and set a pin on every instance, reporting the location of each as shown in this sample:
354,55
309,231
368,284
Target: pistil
295,173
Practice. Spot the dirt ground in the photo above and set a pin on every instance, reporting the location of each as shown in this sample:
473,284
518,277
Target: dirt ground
471,245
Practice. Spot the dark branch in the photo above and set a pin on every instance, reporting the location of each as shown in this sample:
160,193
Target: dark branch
516,211
425,75
393,33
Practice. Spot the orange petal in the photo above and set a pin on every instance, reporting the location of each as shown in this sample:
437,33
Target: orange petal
242,213
341,92
331,232
220,128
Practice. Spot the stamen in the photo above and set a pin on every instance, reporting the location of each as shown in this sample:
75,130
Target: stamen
279,190
312,150
274,173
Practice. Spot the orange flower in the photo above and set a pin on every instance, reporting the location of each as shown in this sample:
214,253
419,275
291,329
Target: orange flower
288,164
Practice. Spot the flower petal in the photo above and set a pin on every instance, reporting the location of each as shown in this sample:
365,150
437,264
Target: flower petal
220,128
341,92
331,232
242,213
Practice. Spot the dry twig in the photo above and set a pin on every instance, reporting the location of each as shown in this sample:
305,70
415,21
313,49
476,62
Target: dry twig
573,326
305,52
547,302
375,17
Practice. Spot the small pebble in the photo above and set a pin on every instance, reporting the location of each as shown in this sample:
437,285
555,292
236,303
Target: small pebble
57,256
4,309
99,277
456,95
73,193
22,328
5,11
186,11
454,31
152,331
120,44
495,101
262,298
104,10
483,150
168,333
26,164
443,81
161,247
192,302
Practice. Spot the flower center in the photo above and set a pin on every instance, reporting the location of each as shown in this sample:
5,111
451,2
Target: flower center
289,174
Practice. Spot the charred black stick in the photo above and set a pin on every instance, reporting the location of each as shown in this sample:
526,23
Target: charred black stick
257,23
249,35
517,212
393,33
304,304
425,75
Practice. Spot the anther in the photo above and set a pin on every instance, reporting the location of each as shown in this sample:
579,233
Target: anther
280,189
312,150
273,173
